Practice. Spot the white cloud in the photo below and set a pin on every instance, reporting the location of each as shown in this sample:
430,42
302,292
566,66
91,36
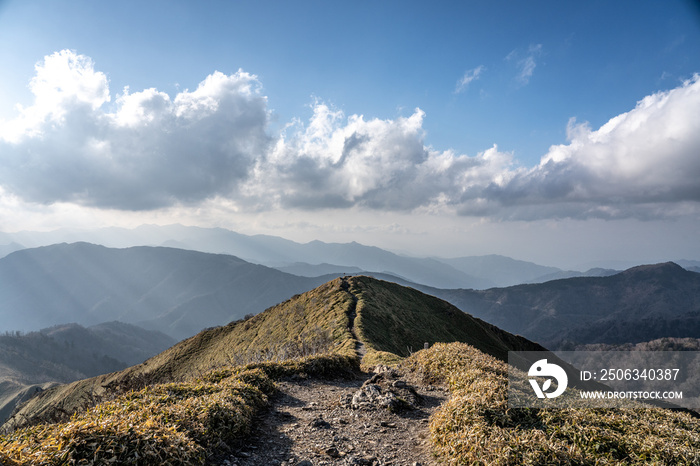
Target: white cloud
153,151
644,163
526,63
468,78
213,145
380,164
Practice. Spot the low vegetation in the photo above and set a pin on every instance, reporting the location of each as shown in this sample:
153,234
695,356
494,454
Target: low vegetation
400,320
476,426
172,423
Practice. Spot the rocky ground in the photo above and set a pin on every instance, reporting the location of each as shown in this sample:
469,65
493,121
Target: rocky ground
376,419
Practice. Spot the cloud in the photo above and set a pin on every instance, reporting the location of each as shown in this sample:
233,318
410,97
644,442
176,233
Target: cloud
644,164
525,64
469,76
151,151
338,162
147,150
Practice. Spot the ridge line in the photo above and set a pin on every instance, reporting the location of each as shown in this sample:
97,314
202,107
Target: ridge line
360,348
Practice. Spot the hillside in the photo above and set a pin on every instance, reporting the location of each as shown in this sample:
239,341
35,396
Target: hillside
640,304
197,402
337,316
65,353
175,291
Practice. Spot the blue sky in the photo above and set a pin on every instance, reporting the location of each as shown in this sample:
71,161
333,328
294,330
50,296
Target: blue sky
391,123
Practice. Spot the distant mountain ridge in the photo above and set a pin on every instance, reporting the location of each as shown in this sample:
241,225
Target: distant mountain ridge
640,304
309,259
175,291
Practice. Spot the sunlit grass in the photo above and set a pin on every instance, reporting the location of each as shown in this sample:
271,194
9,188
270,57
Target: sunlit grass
476,426
173,423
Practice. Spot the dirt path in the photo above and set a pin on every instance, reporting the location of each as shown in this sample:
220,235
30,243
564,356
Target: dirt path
352,314
317,422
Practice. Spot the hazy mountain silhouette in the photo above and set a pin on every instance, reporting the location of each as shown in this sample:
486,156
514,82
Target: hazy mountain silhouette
499,270
306,259
175,291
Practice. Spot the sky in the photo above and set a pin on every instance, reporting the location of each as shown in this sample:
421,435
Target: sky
565,133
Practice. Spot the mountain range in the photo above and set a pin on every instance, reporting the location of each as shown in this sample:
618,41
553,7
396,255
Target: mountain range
180,292
315,258
637,305
175,291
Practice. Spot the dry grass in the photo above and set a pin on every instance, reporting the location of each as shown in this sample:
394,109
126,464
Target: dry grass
476,426
373,358
170,424
198,398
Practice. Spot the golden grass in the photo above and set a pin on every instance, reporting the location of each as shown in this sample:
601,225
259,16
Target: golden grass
373,358
476,426
167,424
174,423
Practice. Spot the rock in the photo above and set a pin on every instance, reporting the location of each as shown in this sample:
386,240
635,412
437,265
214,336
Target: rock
332,452
363,461
319,423
304,463
372,396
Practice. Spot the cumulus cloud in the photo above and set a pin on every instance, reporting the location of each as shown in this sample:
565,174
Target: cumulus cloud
644,163
381,164
152,151
147,150
469,76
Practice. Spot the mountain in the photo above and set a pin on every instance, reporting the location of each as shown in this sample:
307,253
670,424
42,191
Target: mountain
288,382
6,249
175,291
339,316
34,361
640,304
265,250
595,272
500,271
304,269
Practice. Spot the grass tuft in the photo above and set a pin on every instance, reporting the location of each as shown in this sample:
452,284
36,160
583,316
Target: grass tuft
171,423
476,426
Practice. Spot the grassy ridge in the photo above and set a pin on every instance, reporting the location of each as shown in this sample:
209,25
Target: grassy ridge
399,320
476,426
315,322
